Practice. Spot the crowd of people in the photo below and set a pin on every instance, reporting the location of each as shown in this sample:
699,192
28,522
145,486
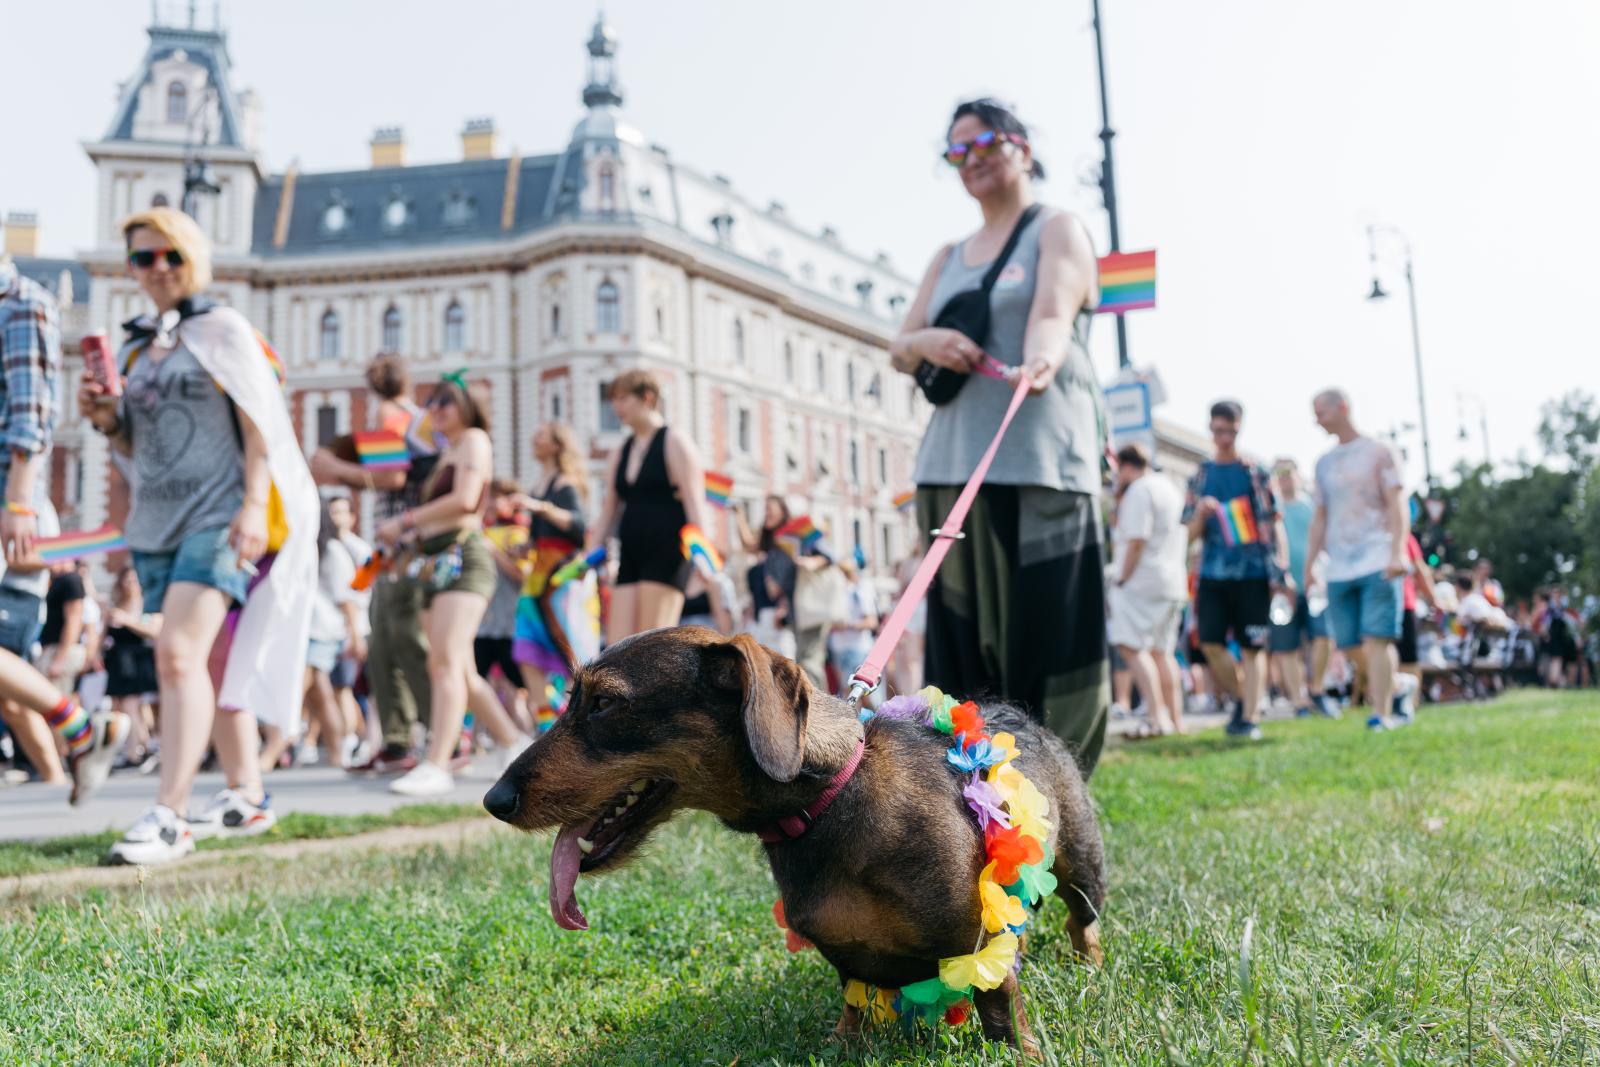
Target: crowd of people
260,626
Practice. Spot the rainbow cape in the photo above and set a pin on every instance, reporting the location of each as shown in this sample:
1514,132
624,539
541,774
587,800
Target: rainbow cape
382,450
700,551
719,487
81,543
903,501
1127,282
801,529
1238,522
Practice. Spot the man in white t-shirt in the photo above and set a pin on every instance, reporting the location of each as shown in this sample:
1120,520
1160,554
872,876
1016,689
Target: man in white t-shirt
1149,584
1360,520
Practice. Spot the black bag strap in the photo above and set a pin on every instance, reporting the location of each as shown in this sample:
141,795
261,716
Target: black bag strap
1028,215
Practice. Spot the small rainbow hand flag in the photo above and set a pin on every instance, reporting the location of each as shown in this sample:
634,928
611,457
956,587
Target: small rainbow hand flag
903,501
1127,282
382,450
719,487
1238,522
577,568
801,529
700,551
80,543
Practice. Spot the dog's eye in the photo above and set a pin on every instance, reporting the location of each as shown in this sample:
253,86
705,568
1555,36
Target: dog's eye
602,705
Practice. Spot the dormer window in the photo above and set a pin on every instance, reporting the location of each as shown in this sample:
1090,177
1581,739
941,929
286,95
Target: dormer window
396,213
335,217
722,224
459,208
177,102
608,189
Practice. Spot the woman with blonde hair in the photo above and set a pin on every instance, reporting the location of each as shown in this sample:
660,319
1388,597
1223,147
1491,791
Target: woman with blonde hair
217,479
658,485
451,558
569,613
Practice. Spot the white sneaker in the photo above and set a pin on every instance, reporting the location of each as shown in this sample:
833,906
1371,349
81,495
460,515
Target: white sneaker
509,755
229,814
424,780
91,767
157,836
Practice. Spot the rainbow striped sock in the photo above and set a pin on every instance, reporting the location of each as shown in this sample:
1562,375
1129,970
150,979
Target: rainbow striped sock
71,724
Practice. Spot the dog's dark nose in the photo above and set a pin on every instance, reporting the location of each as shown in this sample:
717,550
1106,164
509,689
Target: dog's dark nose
503,799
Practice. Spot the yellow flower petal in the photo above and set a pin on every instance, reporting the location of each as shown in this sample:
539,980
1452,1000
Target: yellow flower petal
1029,810
983,969
1000,909
1006,744
876,1004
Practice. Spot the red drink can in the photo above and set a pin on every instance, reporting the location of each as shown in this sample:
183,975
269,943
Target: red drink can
101,362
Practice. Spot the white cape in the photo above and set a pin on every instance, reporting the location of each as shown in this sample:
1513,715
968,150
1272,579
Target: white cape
267,662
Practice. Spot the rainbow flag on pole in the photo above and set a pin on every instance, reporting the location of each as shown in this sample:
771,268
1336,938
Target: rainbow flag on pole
719,487
1127,282
1238,521
801,529
81,543
700,551
903,501
382,450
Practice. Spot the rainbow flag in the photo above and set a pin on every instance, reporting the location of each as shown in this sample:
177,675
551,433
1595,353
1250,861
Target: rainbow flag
272,359
700,551
1127,282
578,567
719,487
801,529
81,543
1238,522
903,501
382,450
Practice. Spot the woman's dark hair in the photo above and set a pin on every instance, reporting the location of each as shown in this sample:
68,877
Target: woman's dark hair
1000,119
389,377
769,534
1231,410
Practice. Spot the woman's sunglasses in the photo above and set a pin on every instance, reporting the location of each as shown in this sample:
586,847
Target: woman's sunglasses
981,146
440,398
145,258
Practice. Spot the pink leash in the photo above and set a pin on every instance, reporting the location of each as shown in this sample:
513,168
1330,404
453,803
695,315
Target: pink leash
871,670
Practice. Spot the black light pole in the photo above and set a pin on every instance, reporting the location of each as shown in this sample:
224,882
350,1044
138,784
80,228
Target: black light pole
1379,293
1108,181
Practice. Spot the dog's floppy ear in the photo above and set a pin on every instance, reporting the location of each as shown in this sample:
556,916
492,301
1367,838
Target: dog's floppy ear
776,700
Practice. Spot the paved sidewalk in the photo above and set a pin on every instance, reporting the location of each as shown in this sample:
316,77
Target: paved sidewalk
32,812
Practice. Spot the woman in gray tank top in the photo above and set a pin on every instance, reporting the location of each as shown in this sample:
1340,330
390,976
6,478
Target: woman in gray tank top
1017,611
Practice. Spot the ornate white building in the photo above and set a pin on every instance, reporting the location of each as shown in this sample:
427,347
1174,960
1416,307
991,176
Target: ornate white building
544,275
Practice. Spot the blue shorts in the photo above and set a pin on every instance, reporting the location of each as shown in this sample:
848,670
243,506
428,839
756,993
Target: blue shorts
1363,607
323,655
1293,635
204,558
21,619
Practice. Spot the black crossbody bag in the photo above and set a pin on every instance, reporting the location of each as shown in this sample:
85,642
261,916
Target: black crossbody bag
968,312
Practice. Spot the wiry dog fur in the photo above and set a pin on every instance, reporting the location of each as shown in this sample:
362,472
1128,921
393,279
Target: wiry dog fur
884,883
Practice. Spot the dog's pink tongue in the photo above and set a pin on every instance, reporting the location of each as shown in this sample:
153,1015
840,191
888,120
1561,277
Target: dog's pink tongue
564,859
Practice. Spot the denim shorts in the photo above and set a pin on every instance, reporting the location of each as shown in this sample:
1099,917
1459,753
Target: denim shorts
1363,607
1293,635
323,655
204,558
21,619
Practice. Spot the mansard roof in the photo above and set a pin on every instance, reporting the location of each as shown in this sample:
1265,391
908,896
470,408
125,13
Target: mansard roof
207,48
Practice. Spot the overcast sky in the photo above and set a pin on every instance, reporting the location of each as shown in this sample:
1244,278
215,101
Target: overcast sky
1256,140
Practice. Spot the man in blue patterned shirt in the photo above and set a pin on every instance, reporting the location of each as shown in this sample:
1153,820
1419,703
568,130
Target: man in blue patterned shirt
1231,509
30,370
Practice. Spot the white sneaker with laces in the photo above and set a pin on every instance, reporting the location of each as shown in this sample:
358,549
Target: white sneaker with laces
157,836
424,780
91,767
230,814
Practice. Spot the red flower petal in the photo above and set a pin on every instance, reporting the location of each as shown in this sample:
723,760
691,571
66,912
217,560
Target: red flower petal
956,1014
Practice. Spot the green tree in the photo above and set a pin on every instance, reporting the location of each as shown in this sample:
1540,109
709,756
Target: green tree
1523,525
1569,428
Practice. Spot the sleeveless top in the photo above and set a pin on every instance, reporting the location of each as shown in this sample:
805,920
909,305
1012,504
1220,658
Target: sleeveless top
652,508
1057,439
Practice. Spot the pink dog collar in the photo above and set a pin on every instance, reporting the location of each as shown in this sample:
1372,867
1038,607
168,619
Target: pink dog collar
790,827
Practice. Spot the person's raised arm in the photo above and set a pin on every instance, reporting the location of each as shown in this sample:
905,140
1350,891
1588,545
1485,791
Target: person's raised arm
1066,284
917,342
329,469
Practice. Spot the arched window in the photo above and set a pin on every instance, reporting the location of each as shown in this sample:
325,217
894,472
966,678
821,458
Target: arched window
788,363
738,341
608,189
177,102
330,334
855,472
455,327
661,321
555,320
391,329
850,380
607,308
822,373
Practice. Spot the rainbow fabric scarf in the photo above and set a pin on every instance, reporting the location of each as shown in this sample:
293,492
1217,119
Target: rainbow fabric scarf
1014,817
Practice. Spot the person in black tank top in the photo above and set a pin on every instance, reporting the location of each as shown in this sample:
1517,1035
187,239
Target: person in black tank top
657,487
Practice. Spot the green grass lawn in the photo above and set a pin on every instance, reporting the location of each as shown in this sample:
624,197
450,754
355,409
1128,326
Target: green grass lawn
1430,896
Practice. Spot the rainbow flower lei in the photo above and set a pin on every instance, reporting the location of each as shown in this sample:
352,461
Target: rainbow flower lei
1014,817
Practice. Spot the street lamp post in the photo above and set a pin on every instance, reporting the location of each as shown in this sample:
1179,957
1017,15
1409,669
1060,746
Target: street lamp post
1108,180
1379,293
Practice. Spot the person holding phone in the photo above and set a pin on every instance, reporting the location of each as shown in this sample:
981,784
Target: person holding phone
217,478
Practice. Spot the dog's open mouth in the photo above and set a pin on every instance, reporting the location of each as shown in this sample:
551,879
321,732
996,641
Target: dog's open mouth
585,846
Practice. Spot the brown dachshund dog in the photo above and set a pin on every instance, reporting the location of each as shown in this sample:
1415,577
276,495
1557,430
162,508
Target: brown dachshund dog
884,882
